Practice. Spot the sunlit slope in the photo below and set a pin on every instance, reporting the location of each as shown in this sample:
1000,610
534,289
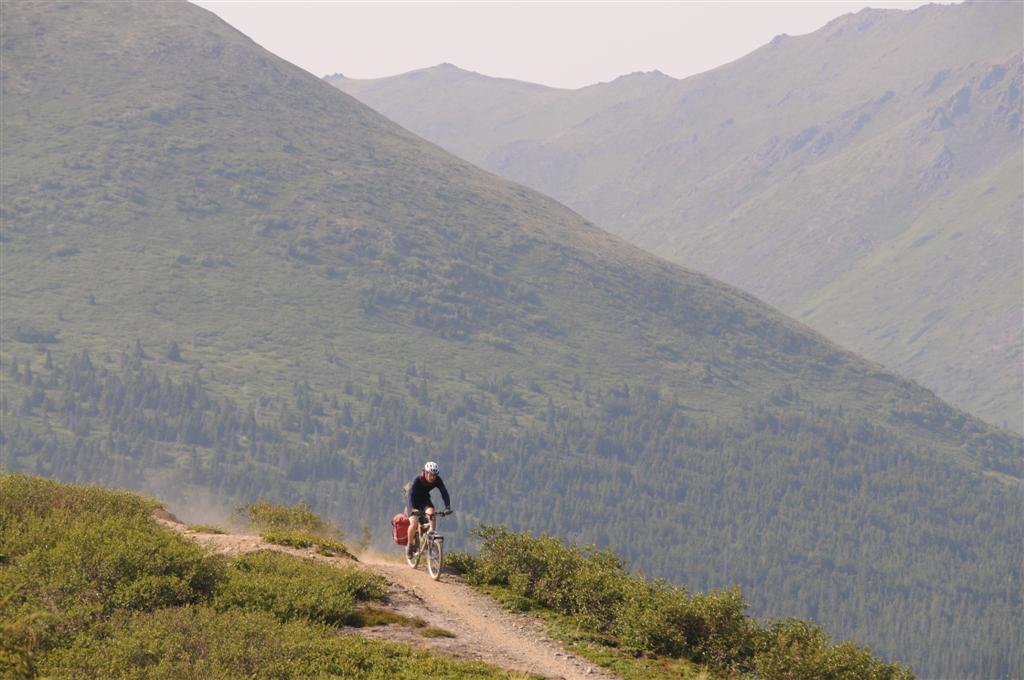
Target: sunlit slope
284,294
967,278
786,170
203,191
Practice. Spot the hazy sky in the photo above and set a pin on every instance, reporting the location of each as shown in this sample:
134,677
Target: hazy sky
564,44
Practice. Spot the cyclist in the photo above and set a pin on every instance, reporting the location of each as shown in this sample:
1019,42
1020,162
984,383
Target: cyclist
420,505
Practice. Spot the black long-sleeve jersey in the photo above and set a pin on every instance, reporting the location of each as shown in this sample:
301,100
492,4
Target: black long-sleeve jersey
419,492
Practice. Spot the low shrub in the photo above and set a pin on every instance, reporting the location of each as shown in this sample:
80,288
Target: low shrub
458,562
98,565
432,632
292,588
26,501
655,618
305,539
368,616
721,632
203,642
565,578
206,529
793,649
332,548
76,554
19,646
91,587
644,617
264,516
292,539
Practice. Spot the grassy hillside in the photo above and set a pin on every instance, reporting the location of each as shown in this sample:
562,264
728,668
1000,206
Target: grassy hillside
224,280
90,586
596,606
798,173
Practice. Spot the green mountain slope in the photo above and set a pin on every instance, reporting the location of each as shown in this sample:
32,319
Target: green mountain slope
223,279
793,173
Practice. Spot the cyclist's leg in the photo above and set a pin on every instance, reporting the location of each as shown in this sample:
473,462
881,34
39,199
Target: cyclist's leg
414,527
428,511
417,516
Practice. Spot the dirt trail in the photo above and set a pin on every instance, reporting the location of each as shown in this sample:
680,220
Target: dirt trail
484,631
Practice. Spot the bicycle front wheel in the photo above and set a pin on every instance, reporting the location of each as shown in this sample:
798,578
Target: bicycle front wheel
435,557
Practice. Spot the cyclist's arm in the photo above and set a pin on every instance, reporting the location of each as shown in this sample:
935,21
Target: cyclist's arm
444,493
409,496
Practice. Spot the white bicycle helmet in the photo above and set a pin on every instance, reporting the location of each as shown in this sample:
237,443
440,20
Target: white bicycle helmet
431,467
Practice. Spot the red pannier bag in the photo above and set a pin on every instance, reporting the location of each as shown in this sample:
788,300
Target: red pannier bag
400,529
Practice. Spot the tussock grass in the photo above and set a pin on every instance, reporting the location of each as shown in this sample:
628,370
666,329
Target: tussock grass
368,616
206,529
432,632
306,539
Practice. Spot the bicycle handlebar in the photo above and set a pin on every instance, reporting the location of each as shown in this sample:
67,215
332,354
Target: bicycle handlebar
437,513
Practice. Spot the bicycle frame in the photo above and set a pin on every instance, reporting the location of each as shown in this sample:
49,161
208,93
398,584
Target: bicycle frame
424,529
429,540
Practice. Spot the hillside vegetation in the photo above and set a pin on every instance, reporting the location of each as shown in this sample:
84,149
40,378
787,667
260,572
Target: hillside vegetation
76,423
91,587
604,607
224,280
865,178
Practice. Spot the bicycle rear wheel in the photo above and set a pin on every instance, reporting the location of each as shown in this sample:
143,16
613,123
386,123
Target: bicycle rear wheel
414,559
435,558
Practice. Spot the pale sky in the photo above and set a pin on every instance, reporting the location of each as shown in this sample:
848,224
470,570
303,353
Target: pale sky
562,44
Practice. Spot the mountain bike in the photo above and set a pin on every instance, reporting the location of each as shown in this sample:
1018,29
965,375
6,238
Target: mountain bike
432,543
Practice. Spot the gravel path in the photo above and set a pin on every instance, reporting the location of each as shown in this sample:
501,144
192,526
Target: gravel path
484,631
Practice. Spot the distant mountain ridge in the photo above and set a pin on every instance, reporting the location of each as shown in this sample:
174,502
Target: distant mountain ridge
224,279
864,178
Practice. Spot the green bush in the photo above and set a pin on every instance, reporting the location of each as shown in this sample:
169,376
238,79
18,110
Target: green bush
24,496
655,618
263,516
332,548
458,562
19,646
797,650
89,567
91,587
292,588
292,539
642,617
568,579
32,508
721,632
305,539
98,565
76,554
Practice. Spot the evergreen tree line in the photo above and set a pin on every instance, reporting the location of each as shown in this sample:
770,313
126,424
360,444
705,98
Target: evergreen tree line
815,513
